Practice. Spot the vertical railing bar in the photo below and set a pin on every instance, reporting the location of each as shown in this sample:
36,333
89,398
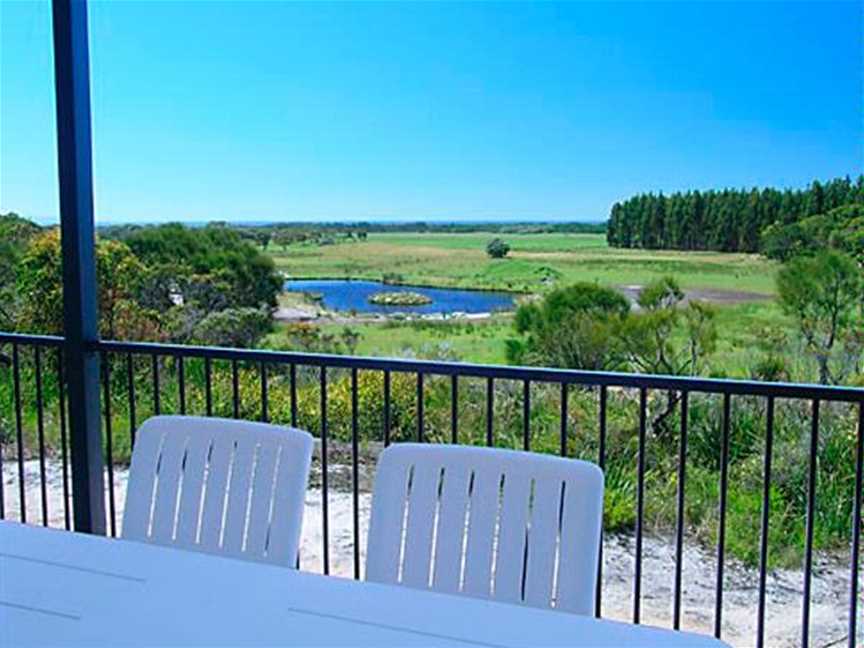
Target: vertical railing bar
109,442
564,419
856,531
324,481
64,443
355,473
265,409
40,431
640,503
293,380
157,405
130,383
601,458
454,409
19,429
526,415
386,408
235,388
721,525
181,383
679,509
420,403
208,386
490,410
811,512
766,513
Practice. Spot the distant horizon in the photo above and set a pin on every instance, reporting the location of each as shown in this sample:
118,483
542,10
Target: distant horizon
326,223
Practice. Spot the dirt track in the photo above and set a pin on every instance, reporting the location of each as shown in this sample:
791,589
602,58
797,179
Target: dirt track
720,297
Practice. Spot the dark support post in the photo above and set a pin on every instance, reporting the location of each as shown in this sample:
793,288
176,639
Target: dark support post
72,88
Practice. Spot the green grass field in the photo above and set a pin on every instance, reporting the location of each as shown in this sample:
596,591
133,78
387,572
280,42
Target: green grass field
460,260
536,263
480,342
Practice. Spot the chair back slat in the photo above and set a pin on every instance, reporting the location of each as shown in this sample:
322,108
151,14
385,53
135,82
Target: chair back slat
168,475
393,484
511,540
574,570
481,521
286,516
450,535
220,486
197,452
245,451
542,542
215,488
262,497
139,501
417,542
512,526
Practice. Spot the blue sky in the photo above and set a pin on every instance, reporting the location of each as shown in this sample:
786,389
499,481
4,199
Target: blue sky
317,111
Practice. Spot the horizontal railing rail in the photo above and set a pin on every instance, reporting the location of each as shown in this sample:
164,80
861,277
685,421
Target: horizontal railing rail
333,397
36,340
504,372
807,391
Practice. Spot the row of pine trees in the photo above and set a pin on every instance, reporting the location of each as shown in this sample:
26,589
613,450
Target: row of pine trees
730,220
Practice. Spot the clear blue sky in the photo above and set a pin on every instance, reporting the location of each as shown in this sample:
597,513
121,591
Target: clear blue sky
314,111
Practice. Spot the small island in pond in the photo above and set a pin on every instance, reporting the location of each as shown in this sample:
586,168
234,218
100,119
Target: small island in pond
399,298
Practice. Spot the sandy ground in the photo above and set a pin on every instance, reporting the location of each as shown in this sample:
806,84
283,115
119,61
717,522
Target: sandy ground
718,297
829,607
295,314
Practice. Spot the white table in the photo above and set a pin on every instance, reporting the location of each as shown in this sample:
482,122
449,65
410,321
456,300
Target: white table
60,587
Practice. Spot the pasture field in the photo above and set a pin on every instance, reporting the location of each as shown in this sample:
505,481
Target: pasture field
535,262
479,342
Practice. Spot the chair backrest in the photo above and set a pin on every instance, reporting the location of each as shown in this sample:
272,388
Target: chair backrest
512,526
219,486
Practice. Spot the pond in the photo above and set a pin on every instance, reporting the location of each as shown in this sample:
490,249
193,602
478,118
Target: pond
353,295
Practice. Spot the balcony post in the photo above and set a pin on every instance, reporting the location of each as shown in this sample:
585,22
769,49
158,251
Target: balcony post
80,316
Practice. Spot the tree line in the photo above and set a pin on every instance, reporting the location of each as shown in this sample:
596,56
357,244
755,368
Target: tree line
284,234
728,220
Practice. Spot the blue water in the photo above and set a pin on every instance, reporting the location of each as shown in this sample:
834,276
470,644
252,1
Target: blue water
350,294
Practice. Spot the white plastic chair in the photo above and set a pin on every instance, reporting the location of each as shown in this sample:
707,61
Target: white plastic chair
511,526
220,486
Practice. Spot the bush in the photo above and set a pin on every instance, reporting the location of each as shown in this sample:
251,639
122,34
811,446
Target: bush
497,248
233,327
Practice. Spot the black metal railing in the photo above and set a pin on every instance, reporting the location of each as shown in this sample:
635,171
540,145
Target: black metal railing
354,402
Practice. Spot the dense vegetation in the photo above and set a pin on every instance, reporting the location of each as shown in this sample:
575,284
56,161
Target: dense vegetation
729,220
15,233
841,228
586,326
167,283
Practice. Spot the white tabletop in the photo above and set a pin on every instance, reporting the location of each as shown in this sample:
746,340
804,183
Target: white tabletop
60,587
